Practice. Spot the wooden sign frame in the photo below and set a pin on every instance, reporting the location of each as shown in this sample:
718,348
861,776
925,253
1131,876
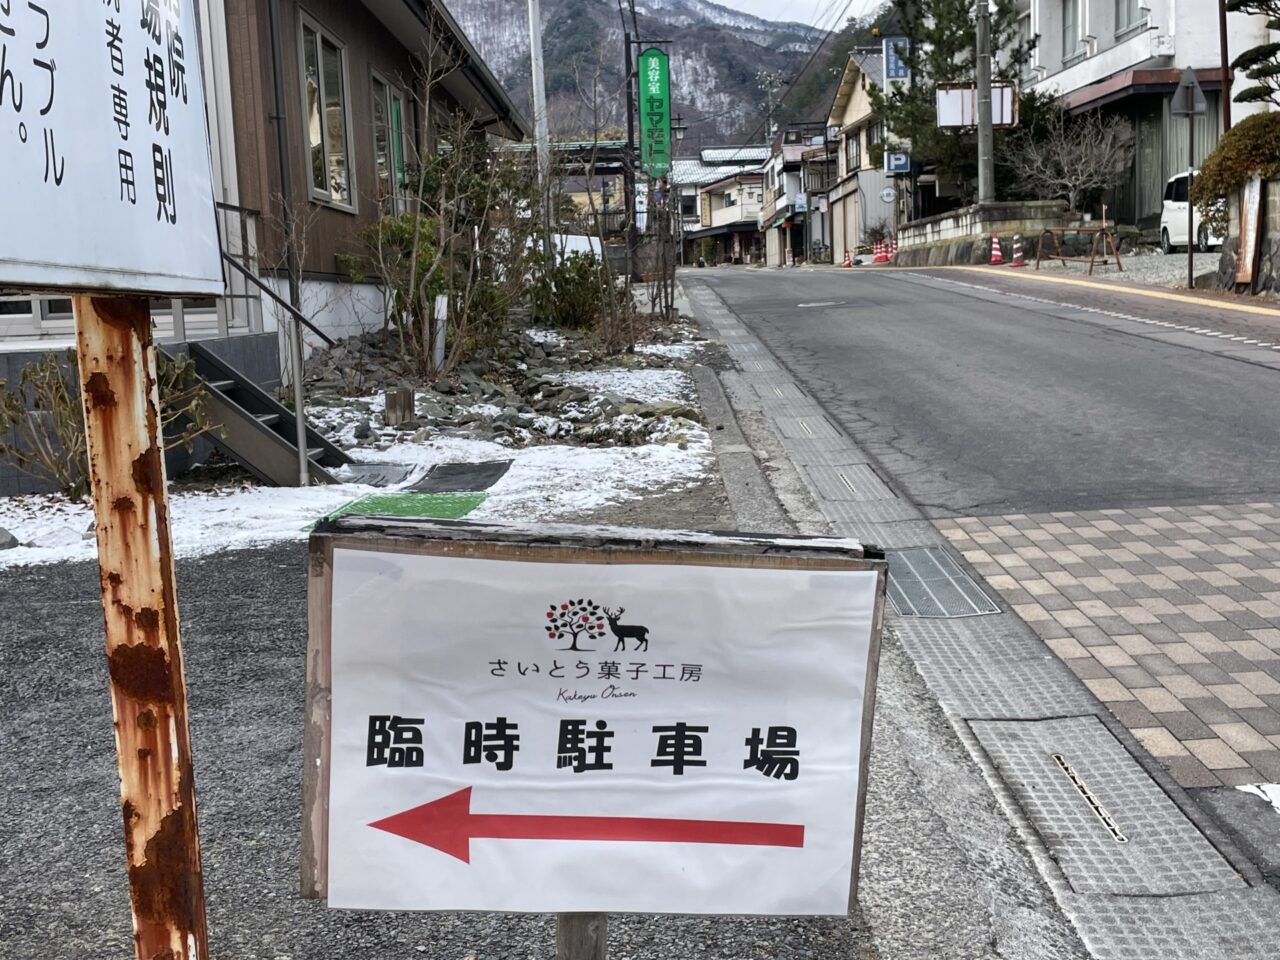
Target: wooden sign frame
1250,247
542,544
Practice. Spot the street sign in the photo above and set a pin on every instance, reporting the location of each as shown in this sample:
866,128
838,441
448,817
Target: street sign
896,68
655,112
888,195
897,162
524,720
1188,99
105,151
957,105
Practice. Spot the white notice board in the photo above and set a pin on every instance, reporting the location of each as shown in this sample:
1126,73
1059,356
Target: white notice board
700,751
107,181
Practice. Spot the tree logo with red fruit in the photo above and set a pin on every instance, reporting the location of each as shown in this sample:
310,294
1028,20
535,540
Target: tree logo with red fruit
575,620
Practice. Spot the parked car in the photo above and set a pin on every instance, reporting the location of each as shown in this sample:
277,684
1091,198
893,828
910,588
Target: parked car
1173,219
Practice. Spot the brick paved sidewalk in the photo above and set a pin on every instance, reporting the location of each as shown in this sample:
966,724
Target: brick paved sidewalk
1171,615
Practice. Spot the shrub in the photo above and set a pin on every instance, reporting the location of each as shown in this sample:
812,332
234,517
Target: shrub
1251,146
571,294
46,416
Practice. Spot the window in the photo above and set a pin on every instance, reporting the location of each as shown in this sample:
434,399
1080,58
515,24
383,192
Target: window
730,200
1070,28
1127,15
852,153
875,133
389,143
324,88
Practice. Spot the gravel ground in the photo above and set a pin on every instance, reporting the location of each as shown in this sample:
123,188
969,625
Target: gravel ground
943,875
1150,269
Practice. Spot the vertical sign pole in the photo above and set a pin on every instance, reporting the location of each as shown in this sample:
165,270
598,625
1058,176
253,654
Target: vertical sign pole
986,135
1191,207
144,654
582,936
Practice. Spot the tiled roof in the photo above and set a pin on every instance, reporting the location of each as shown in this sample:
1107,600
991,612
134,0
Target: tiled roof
733,154
695,172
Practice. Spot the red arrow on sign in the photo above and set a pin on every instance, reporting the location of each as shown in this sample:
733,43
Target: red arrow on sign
448,825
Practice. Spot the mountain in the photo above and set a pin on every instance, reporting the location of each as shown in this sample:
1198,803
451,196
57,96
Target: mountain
717,55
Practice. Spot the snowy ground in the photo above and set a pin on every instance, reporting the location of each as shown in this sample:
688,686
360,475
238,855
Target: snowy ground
547,482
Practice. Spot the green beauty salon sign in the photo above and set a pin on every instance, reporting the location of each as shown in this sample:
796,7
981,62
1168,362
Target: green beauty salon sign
655,113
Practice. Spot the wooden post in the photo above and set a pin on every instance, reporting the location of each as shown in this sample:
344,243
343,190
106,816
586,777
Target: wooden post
144,655
582,936
398,406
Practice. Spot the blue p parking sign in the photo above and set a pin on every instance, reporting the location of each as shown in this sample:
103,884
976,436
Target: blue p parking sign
897,162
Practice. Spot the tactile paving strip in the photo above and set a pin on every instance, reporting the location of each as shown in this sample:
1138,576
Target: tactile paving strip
927,582
1163,854
858,482
992,667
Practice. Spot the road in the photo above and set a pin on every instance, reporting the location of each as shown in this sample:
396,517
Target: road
978,401
1105,459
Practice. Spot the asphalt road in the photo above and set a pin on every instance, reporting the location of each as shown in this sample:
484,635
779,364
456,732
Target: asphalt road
977,403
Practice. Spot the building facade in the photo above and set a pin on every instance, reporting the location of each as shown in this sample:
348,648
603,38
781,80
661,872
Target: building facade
857,195
1126,57
729,221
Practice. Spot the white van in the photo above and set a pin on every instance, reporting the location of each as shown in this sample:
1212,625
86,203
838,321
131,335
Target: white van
1173,219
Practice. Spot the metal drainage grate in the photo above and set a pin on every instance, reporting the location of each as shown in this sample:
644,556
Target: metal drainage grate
927,582
1094,803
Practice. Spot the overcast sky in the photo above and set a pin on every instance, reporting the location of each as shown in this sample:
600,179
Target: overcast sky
823,13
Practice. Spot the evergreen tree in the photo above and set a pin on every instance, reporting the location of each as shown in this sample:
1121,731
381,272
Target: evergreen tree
942,37
1260,64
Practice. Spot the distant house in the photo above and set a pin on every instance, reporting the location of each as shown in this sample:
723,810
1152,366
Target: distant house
729,221
857,196
689,175
785,215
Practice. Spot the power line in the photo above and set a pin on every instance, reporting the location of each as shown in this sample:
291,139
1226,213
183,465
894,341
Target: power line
800,73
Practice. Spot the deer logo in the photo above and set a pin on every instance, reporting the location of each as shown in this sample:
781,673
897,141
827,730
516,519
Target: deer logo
625,632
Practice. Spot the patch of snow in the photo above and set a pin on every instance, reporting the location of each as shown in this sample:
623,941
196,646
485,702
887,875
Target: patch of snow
551,482
1269,792
545,336
647,386
680,351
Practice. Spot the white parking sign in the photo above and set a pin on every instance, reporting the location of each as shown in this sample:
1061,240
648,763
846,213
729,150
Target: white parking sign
581,736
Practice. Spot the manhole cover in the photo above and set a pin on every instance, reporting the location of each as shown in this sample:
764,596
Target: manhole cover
927,582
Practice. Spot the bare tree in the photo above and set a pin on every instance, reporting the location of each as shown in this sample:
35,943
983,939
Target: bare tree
1077,157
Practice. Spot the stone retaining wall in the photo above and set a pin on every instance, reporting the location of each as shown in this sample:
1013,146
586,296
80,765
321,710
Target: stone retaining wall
964,236
1268,276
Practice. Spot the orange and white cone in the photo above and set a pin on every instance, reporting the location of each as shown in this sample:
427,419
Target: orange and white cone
997,255
882,255
893,249
1019,258
848,260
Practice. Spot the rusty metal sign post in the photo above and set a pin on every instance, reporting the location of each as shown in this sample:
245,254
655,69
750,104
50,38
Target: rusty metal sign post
164,241
139,600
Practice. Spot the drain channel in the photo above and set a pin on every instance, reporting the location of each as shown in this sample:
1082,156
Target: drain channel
1094,803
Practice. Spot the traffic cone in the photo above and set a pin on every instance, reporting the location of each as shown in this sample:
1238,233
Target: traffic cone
881,256
893,249
1019,258
848,260
997,255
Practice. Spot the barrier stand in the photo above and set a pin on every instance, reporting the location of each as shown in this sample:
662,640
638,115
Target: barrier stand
1104,242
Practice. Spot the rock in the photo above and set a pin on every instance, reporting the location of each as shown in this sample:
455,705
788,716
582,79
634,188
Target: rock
363,430
7,540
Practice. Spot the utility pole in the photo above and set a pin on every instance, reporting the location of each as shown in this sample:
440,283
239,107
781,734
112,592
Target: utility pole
629,164
541,136
986,136
1227,77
